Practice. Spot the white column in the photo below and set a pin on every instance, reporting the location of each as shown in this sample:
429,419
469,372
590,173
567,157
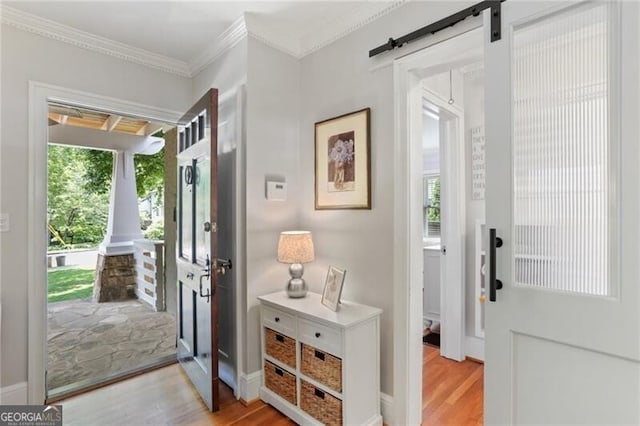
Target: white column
124,219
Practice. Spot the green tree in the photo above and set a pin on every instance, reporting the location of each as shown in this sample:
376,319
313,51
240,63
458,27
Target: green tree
149,171
75,215
433,211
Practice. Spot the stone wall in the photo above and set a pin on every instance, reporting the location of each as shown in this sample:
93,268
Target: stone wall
115,278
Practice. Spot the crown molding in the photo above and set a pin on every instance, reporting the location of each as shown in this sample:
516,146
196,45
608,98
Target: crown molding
247,25
368,13
330,31
226,41
66,34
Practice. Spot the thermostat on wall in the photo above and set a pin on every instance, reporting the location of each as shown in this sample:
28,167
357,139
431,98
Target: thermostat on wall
276,191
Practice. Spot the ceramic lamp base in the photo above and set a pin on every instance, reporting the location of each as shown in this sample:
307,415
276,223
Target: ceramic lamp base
296,287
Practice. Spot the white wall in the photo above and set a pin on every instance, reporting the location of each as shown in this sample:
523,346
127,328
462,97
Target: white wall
273,108
338,79
430,144
474,116
25,57
227,72
270,152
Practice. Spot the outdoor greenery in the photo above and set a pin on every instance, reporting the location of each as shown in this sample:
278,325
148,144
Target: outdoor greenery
155,231
78,192
76,213
433,210
149,171
70,284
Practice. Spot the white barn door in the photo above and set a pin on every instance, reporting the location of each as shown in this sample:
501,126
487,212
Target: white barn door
563,194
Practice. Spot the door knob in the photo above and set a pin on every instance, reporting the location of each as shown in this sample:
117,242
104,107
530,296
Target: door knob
222,265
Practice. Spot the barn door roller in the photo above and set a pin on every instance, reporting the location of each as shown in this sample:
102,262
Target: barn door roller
449,21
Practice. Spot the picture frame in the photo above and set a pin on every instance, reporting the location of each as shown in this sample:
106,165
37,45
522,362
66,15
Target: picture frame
343,162
333,287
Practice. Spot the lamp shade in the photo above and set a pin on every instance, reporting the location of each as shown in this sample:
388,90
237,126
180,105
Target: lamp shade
295,247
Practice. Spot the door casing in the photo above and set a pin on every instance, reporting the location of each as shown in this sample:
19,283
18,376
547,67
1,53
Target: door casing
407,259
39,96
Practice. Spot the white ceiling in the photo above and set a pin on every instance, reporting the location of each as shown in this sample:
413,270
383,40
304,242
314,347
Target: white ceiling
183,30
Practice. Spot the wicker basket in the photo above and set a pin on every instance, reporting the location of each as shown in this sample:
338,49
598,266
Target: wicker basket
323,367
320,405
280,381
280,347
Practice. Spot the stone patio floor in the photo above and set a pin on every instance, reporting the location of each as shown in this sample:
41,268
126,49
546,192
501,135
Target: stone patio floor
88,340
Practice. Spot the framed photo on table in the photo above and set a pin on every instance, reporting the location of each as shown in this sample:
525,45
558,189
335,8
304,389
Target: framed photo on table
333,287
343,162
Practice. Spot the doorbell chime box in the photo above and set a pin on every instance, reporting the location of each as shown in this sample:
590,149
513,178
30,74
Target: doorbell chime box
276,191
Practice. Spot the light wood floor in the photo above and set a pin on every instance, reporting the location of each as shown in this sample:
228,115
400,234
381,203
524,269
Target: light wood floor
163,397
452,394
451,391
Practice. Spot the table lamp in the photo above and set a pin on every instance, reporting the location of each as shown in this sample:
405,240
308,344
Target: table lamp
295,248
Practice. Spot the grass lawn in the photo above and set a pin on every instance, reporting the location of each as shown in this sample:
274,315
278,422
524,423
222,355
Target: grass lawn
70,284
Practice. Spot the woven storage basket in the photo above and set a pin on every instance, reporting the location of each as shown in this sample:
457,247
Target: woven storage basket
280,347
321,366
280,381
320,405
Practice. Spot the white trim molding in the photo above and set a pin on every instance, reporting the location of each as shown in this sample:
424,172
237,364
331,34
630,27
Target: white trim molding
14,394
387,409
335,30
226,41
66,34
407,256
474,347
248,24
39,95
249,386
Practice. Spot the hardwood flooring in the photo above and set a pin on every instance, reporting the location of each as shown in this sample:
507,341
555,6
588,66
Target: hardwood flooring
163,397
452,392
452,395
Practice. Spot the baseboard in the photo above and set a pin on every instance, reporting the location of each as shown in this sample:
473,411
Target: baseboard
249,386
14,394
386,407
474,347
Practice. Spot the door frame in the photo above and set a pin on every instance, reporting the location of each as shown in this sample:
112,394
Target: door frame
39,95
452,174
407,258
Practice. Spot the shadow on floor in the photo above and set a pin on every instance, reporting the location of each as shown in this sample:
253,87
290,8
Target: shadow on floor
88,340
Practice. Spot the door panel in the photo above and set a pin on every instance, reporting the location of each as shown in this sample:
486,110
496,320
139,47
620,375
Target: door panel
229,135
203,211
197,242
562,153
185,214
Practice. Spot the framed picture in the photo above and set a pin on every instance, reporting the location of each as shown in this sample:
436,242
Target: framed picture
343,163
333,288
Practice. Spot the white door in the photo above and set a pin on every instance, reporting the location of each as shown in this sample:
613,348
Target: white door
563,172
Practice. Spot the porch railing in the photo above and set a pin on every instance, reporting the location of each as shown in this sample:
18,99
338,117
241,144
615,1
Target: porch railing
150,286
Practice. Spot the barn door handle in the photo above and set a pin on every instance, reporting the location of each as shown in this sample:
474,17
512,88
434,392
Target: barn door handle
494,284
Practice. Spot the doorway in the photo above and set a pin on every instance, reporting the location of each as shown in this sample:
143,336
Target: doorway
41,96
109,312
453,209
453,205
445,64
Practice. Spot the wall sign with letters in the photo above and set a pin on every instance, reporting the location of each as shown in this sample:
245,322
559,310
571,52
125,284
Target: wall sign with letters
478,164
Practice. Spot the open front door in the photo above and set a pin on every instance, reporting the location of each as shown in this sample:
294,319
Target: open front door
562,336
196,249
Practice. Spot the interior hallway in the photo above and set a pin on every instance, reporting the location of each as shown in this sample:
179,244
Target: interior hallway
165,397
